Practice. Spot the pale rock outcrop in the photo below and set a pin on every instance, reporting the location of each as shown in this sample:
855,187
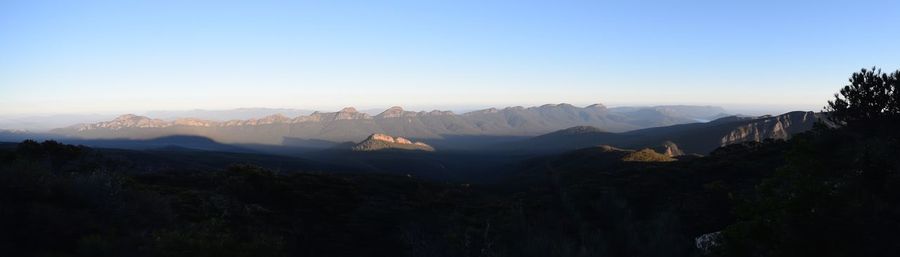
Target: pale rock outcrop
379,141
401,140
192,122
772,127
670,149
125,121
382,137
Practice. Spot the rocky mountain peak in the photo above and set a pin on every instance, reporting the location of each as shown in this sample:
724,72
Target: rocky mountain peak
560,105
380,141
392,112
350,113
125,121
381,137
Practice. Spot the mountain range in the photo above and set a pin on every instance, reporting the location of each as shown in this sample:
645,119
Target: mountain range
546,129
349,124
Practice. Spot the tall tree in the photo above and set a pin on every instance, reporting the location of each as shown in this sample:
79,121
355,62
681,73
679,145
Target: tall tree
871,99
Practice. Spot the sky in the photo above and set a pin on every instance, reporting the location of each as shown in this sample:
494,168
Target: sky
61,57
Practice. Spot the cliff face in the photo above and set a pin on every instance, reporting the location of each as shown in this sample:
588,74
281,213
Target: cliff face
377,142
774,127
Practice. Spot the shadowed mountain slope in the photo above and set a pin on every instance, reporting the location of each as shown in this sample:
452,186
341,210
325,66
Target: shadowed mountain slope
699,138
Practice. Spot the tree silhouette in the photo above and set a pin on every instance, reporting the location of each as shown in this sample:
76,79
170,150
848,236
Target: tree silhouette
871,98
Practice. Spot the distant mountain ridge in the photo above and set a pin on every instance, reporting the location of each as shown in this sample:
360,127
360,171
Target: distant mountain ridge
679,139
349,124
656,116
226,114
46,122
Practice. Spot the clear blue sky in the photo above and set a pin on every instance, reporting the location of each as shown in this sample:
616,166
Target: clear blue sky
125,56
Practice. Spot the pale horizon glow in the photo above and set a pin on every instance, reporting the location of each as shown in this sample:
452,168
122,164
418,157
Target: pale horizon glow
106,57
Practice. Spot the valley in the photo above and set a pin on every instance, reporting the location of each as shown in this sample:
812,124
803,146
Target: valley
449,128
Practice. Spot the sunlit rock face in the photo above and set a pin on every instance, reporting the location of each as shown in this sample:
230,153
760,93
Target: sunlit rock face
401,140
125,121
772,127
192,122
670,149
379,141
382,137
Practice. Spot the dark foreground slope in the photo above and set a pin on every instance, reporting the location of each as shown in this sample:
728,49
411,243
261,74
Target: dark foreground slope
753,198
62,199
